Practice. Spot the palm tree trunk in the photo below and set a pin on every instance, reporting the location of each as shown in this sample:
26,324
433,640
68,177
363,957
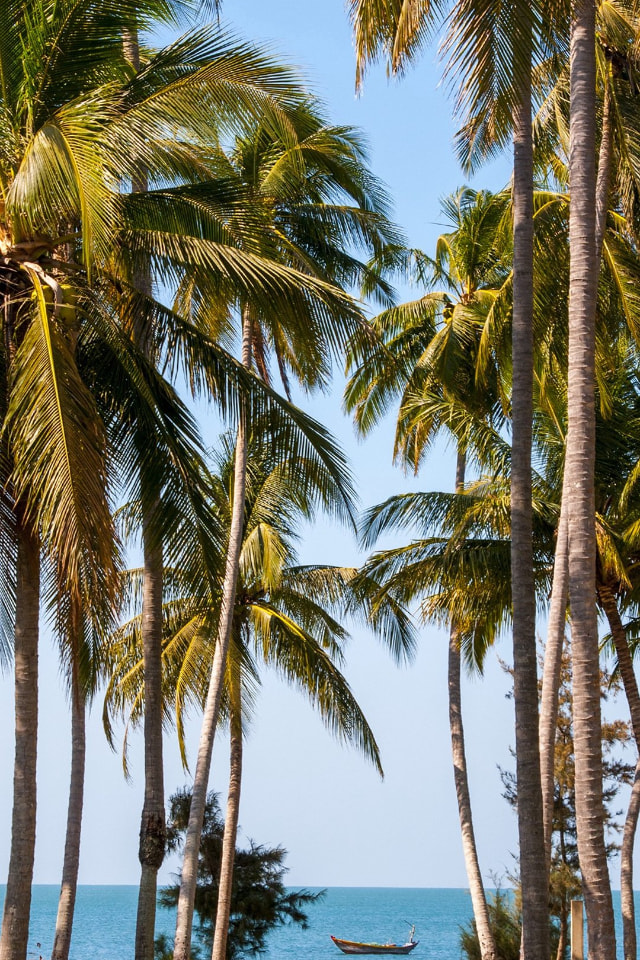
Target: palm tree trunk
564,929
626,871
625,663
560,587
579,478
225,885
67,900
551,677
604,173
625,666
186,898
17,903
476,886
153,831
535,915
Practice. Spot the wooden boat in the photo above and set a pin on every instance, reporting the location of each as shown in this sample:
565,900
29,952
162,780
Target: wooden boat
394,949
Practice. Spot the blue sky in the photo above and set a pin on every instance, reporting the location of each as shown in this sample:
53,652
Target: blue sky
339,822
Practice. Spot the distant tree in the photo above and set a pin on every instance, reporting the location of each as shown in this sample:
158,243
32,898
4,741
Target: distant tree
506,928
260,901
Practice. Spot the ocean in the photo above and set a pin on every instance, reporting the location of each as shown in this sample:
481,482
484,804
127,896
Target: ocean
105,922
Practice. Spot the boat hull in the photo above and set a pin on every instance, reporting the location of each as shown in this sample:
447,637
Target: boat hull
390,949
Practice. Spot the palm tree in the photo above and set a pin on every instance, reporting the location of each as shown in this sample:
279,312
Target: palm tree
309,202
275,606
457,565
437,354
54,454
579,479
282,613
612,57
491,55
134,400
615,62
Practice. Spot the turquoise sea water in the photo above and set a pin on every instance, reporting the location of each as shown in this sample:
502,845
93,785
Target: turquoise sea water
105,922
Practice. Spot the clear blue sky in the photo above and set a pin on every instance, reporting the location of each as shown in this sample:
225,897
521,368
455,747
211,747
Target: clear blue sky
340,824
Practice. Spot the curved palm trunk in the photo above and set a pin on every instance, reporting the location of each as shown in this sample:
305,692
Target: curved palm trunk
476,886
474,876
67,899
17,903
225,885
625,663
551,678
579,479
535,914
630,683
626,871
186,898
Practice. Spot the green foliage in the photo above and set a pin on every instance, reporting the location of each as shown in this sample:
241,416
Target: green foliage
505,920
259,900
506,926
164,951
290,617
441,356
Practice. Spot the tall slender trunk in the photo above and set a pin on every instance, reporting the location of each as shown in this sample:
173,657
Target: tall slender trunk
153,832
625,663
68,888
225,884
186,898
535,913
476,886
630,683
627,903
17,903
564,929
579,479
603,182
560,587
551,678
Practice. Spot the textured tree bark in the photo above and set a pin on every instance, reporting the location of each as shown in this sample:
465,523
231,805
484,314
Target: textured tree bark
626,871
560,587
625,663
186,898
225,885
71,863
579,479
564,929
461,779
630,683
153,831
551,678
604,173
535,914
17,903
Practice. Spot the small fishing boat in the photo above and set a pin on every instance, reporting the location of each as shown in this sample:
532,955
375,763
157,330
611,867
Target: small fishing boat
393,949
